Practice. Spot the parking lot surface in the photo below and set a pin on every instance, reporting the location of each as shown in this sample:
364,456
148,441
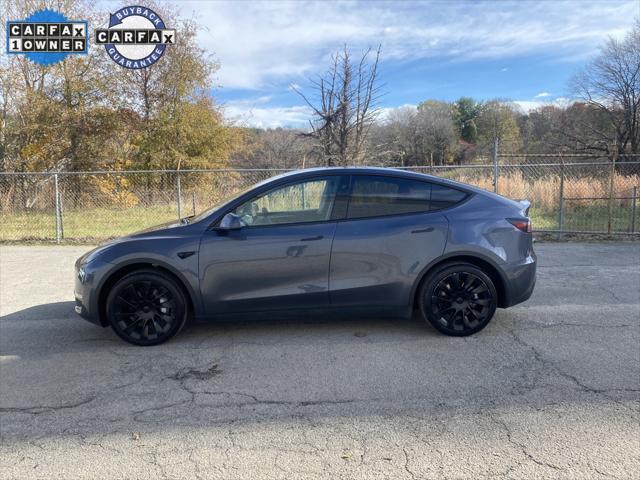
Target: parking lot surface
550,389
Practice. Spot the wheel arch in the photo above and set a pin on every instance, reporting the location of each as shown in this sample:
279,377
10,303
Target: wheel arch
119,272
482,263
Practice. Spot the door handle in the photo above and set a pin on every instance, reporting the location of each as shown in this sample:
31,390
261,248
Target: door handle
423,230
311,239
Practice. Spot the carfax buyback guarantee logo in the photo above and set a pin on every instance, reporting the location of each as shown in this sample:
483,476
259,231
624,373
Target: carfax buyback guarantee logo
46,37
136,38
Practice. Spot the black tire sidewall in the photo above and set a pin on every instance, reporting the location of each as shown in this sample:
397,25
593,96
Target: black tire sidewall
432,280
166,281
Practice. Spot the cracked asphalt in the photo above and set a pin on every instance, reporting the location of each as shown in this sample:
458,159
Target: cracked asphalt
550,389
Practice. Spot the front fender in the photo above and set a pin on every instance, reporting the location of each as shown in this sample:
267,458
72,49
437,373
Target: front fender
154,252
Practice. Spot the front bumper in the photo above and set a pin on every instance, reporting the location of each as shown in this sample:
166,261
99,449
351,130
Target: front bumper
86,293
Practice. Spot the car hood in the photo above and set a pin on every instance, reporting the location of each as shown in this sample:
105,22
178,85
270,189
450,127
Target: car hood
156,230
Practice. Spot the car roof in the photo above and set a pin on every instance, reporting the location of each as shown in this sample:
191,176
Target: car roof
388,171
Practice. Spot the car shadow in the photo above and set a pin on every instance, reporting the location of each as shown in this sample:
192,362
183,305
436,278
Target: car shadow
60,329
46,311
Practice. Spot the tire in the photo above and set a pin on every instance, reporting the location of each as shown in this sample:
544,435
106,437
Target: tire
458,299
146,307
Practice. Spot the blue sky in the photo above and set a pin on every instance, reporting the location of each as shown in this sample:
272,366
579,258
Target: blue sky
525,51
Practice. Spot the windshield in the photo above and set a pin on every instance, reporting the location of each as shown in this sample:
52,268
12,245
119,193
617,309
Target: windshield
232,197
229,198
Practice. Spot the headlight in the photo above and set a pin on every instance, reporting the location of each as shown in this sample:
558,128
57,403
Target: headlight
82,275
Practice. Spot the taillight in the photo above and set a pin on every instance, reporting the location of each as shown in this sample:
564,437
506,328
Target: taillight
522,224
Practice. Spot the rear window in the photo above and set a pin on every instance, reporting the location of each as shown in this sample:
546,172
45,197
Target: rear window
373,196
445,197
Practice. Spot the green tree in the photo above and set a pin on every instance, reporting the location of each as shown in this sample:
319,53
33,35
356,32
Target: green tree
466,111
87,112
497,124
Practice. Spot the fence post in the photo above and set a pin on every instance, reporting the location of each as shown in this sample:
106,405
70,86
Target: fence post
59,233
633,209
495,165
561,200
179,194
612,175
193,202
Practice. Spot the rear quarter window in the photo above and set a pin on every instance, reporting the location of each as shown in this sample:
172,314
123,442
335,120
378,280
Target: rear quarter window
445,197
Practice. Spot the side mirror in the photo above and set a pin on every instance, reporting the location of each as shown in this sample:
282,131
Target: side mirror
230,221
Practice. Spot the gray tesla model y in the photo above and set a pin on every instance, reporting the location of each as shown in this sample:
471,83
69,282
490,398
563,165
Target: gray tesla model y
347,240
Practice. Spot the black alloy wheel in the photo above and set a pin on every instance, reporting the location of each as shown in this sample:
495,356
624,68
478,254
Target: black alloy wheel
146,307
458,299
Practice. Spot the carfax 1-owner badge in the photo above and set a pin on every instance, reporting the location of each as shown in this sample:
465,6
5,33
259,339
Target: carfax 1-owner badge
46,37
136,38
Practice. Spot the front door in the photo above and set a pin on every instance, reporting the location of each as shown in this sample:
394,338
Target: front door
279,258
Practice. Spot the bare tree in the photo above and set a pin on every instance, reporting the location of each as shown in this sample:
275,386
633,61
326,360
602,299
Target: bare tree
415,136
396,140
345,107
437,129
578,127
611,84
275,148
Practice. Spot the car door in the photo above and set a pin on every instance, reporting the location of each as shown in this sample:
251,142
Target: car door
388,237
279,258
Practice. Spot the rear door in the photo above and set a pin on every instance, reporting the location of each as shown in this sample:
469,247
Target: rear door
388,237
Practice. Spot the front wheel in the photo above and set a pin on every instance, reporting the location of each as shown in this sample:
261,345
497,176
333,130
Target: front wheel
458,299
146,307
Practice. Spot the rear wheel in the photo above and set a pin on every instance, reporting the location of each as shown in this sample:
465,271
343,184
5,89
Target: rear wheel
146,308
458,299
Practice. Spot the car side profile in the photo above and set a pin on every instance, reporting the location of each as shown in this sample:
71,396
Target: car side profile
348,240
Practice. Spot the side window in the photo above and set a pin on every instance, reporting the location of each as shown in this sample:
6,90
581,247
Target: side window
373,196
308,201
445,197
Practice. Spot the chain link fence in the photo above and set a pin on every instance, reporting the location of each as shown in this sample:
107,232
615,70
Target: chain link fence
569,194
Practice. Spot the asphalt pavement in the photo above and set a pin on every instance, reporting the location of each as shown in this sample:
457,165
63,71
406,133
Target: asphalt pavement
550,389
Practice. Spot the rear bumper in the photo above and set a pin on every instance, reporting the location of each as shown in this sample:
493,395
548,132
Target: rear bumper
520,280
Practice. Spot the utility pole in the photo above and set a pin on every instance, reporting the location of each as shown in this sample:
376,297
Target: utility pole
495,165
612,176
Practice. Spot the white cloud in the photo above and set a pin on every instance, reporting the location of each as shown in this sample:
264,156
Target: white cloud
383,113
248,113
542,95
259,43
530,105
